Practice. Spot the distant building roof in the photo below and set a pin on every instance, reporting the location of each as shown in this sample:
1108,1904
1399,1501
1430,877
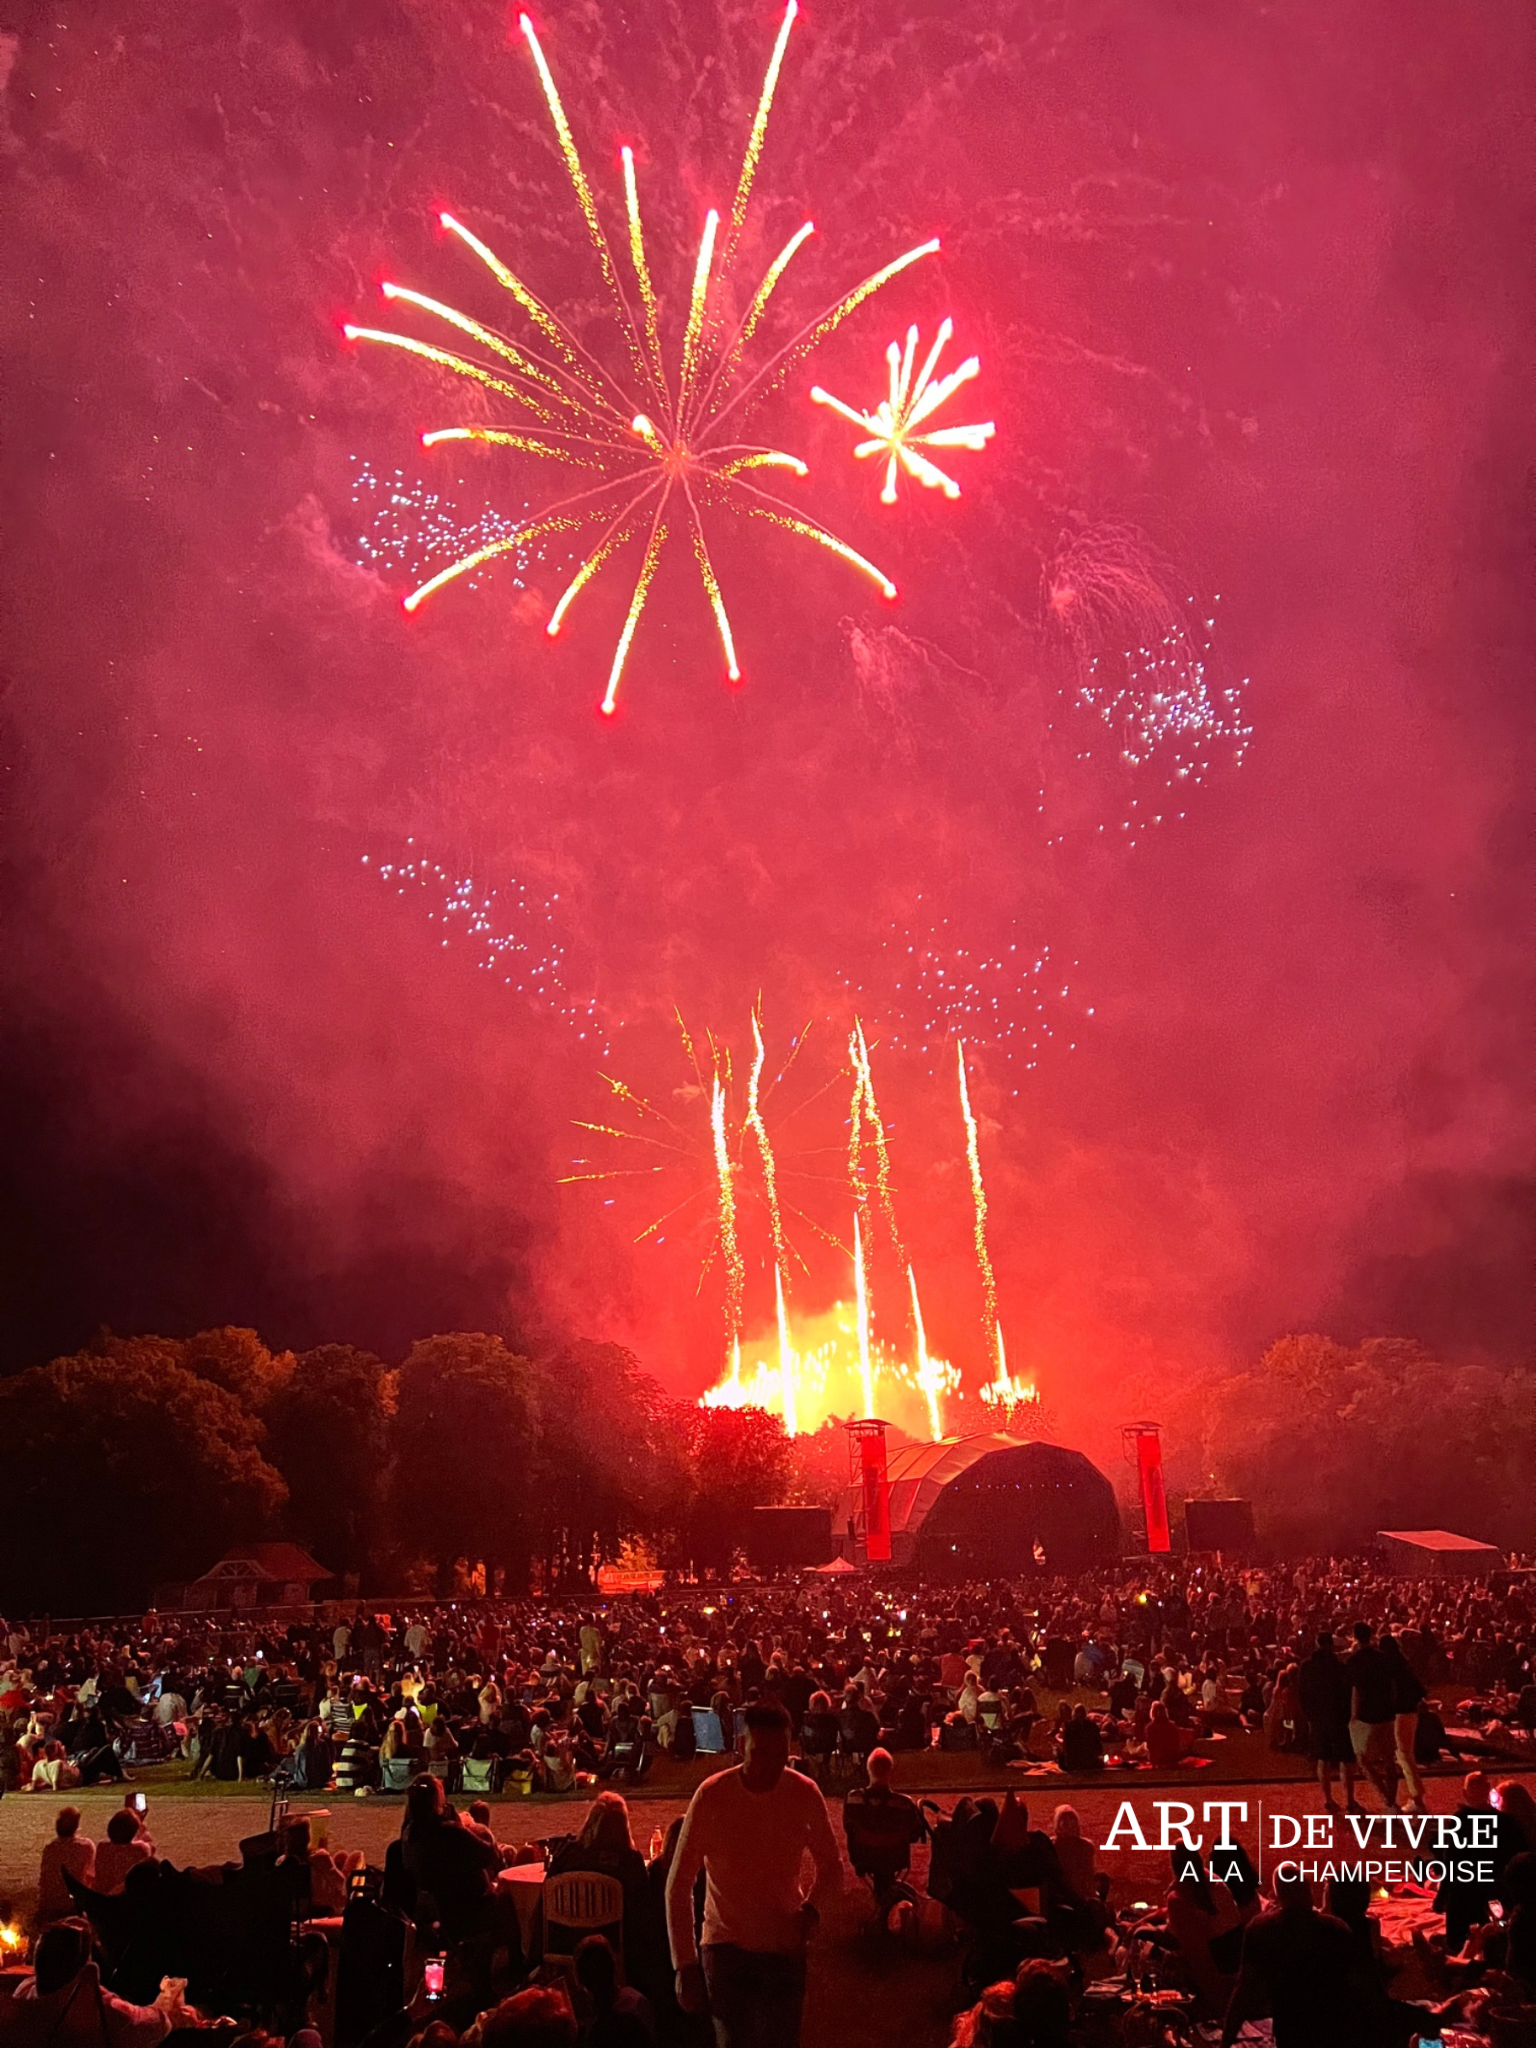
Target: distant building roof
285,1564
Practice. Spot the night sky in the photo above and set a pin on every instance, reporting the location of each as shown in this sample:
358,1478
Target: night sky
1252,292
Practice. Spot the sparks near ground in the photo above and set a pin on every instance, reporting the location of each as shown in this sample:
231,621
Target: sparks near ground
892,426
1003,1390
654,438
723,1168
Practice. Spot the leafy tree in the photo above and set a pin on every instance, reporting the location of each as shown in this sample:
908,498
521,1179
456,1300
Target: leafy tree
466,1455
739,1459
122,1470
1332,1444
606,1468
240,1363
328,1429
1311,1365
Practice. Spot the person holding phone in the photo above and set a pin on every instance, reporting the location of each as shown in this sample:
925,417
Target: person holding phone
127,1844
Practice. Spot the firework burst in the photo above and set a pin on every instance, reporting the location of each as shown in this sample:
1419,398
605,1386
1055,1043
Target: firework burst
653,441
892,428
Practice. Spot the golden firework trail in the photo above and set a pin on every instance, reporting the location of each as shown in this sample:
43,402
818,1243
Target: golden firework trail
861,1296
730,1248
788,1364
759,1130
979,1200
929,1378
893,425
868,1110
657,441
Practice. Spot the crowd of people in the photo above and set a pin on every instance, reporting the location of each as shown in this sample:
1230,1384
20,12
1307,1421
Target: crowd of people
1138,1666
804,1688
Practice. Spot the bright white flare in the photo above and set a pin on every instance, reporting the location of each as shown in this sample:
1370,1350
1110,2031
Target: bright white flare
893,424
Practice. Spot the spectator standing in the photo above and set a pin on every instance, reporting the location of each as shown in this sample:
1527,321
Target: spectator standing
749,1830
1408,1696
1324,1691
1373,1713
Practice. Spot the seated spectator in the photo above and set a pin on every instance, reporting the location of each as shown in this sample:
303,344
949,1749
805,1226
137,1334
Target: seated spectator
614,2015
478,1821
127,1844
314,1759
440,1744
1302,1969
255,1754
627,1753
90,1746
1166,1742
357,1767
988,2023
1082,1746
68,1851
1075,1853
403,1738
540,2018
1042,2007
1205,1925
63,2005
605,1844
1122,1695
52,1770
882,1826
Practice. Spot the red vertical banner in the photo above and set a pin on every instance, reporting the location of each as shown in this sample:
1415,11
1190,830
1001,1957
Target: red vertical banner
877,1497
1154,1501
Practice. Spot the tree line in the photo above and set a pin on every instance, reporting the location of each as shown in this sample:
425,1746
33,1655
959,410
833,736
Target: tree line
1333,1442
141,1460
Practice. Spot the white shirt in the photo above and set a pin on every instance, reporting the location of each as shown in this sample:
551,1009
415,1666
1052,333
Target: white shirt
751,1847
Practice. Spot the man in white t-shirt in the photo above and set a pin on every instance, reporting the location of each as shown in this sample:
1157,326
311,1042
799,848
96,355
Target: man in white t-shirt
749,1830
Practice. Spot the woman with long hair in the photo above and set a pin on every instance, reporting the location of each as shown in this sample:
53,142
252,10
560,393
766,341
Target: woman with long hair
605,1844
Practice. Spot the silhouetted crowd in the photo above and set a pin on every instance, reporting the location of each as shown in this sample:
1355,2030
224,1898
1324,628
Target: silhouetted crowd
799,1689
1141,1664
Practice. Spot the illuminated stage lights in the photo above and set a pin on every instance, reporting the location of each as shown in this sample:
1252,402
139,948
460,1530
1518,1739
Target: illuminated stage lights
515,933
652,438
893,426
